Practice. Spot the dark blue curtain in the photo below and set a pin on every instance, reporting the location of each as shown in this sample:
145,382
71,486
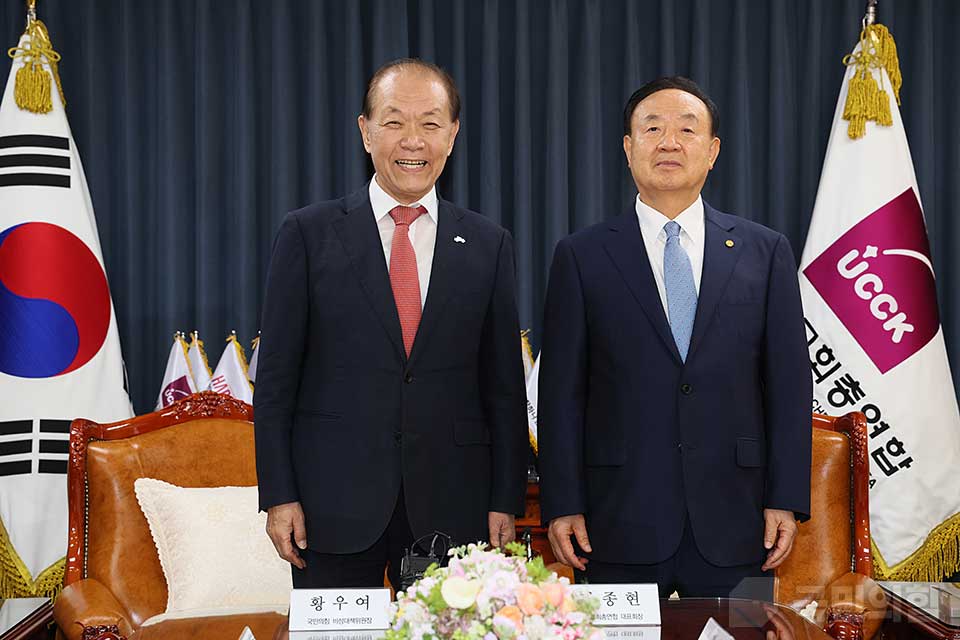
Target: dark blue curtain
200,122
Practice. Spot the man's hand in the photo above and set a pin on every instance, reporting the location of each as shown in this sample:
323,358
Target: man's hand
780,530
559,535
282,521
502,528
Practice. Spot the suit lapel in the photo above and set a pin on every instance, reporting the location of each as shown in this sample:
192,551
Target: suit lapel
721,250
360,236
444,273
625,247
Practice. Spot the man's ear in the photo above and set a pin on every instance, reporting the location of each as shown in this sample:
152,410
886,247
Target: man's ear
453,136
714,150
364,132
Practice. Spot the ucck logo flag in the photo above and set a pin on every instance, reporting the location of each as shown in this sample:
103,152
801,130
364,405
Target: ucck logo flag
59,351
873,328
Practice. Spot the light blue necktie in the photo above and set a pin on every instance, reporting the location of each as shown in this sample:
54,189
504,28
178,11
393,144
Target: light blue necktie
681,292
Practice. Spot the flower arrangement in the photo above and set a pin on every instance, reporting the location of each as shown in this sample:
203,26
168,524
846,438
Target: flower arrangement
487,594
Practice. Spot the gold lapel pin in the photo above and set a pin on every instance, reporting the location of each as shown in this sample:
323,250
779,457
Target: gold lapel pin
729,243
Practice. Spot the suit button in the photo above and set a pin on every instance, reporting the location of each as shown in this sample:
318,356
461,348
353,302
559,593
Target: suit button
408,378
686,389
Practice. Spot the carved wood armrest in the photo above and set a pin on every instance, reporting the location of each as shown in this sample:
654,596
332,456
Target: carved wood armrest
852,607
86,607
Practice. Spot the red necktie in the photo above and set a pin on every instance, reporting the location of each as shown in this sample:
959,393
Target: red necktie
403,273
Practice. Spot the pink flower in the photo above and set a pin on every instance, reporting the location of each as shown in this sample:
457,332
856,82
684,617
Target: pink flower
512,614
553,592
530,599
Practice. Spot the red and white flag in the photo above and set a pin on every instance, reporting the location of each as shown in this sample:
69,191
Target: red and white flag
873,327
230,376
177,379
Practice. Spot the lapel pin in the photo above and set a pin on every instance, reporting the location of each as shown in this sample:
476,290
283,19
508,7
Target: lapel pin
729,243
459,239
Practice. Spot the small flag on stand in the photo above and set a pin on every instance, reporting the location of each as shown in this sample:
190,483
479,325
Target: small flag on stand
177,380
199,366
531,372
230,376
526,352
252,369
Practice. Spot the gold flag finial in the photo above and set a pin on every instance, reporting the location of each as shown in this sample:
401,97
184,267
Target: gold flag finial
32,85
866,100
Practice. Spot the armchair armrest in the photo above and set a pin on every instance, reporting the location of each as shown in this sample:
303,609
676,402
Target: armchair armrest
88,603
852,607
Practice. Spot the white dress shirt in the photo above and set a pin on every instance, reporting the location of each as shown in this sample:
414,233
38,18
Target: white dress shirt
422,233
692,238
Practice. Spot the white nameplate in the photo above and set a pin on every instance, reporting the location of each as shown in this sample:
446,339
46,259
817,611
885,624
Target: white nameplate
339,609
625,605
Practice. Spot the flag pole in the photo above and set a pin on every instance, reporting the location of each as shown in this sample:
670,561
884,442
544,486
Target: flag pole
870,17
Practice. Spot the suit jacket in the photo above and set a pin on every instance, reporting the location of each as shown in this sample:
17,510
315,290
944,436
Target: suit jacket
633,437
343,417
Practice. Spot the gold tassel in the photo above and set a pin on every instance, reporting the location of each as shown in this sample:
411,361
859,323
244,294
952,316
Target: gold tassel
937,557
866,101
15,580
32,85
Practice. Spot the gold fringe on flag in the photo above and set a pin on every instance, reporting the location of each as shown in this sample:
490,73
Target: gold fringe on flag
866,100
32,87
15,580
937,558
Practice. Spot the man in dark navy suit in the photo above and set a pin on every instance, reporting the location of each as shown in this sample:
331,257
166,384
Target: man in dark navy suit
390,358
674,384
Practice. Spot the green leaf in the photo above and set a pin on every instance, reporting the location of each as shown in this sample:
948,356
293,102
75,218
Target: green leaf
537,571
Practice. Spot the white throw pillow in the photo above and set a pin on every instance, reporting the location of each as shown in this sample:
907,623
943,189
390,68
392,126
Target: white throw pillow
213,548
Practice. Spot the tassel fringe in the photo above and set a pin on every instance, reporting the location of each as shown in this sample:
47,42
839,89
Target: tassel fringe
15,580
937,557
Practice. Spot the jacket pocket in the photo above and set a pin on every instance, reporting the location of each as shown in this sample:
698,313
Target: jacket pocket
750,452
467,432
319,414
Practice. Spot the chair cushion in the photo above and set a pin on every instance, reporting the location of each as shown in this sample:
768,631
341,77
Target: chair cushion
212,547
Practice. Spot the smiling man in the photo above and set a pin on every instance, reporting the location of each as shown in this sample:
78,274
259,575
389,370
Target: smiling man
675,390
389,357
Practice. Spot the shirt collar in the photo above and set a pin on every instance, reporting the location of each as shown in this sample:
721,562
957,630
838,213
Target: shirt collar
382,202
690,220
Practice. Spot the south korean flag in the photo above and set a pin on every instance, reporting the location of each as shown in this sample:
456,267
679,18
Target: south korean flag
59,349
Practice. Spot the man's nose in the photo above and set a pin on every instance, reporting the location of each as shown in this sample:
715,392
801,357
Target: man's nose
411,141
669,141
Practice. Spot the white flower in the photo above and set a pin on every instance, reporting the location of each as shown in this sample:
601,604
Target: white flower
459,593
536,627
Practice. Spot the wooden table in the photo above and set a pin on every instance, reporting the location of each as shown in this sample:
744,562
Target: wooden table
34,623
681,620
914,612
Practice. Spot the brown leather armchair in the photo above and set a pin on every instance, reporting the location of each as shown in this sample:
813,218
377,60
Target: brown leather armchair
113,576
831,562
